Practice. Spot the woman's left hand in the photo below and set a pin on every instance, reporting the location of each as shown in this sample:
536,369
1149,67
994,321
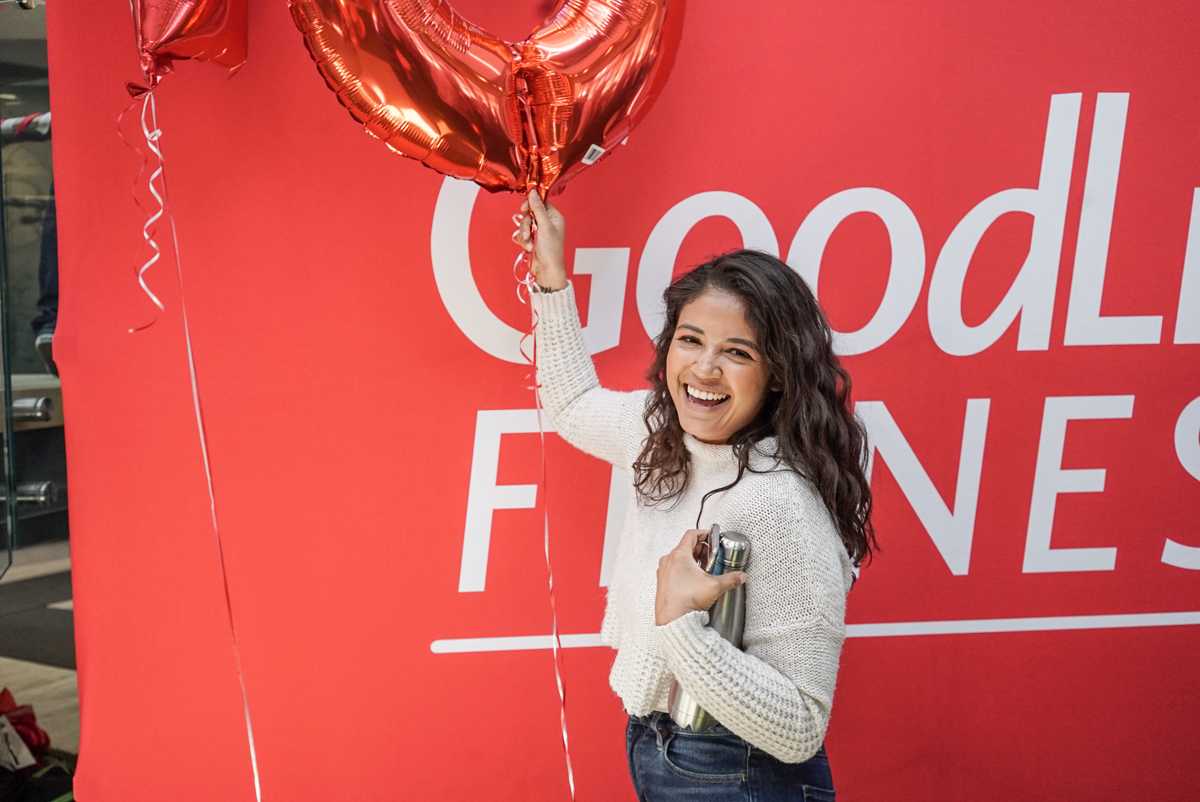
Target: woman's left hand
682,584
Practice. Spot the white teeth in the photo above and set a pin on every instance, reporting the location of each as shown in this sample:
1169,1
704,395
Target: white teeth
703,396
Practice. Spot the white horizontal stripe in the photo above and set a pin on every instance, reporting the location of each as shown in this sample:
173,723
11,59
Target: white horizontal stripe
1022,624
515,644
966,627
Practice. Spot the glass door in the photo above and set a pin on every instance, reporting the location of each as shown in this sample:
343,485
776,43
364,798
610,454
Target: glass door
33,446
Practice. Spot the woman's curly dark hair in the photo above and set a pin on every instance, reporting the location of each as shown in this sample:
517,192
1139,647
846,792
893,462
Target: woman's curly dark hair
810,416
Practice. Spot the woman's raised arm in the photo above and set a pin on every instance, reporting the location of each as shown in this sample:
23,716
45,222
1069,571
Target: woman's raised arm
601,422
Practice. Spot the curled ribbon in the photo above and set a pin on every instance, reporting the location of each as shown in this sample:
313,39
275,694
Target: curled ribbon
152,134
525,286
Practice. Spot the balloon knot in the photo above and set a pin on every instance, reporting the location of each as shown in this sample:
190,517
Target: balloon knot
137,90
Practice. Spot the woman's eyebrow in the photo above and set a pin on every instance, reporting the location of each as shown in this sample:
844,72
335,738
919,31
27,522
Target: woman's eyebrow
737,340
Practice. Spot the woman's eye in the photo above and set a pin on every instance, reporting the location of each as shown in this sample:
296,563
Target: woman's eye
687,338
739,353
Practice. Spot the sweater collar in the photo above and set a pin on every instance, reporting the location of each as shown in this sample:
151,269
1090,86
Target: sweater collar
763,455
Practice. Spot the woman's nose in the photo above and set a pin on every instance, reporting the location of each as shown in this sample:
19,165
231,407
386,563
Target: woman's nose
706,364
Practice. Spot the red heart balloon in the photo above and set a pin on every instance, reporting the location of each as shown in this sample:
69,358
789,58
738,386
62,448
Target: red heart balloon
207,30
508,116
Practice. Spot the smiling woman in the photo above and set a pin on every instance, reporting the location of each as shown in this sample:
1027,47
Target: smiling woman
770,348
747,423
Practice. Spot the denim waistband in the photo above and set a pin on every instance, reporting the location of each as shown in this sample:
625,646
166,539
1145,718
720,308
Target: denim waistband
662,723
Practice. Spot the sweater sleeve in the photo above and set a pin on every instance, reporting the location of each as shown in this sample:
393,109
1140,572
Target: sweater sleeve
600,422
777,694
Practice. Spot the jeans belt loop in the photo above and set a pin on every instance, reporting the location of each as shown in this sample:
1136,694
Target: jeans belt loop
660,729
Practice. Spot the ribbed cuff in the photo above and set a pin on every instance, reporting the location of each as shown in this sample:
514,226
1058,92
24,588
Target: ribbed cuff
555,304
684,635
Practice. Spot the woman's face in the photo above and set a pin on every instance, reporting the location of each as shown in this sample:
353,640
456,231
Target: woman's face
715,369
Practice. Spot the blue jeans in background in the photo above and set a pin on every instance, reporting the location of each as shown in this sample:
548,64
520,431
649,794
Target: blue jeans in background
673,765
47,303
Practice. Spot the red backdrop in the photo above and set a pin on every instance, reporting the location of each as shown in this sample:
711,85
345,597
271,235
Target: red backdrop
343,405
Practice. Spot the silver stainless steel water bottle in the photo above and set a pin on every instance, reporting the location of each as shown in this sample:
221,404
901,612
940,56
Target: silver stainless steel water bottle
730,552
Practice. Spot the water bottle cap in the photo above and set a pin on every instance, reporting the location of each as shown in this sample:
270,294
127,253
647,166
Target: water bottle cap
735,550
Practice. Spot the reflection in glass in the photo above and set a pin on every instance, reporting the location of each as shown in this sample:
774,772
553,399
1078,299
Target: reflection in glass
33,447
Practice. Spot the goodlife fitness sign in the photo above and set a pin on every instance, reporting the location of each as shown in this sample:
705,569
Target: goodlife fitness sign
1028,304
997,204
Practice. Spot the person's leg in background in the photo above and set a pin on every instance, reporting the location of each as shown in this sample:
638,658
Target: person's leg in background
43,325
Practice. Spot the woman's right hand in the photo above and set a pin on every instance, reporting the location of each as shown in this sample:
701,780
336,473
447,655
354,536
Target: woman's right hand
683,586
546,262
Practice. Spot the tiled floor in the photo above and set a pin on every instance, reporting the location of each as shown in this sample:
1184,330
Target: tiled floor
36,574
39,560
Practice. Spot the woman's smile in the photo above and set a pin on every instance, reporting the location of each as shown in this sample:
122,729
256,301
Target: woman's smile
703,399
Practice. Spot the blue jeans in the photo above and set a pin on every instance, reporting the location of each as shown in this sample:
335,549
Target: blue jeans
47,303
673,765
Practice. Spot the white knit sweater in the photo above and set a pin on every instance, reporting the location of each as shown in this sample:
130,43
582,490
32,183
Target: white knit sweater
776,694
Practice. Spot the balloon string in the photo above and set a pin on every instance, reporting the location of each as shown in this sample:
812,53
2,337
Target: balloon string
526,286
153,134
